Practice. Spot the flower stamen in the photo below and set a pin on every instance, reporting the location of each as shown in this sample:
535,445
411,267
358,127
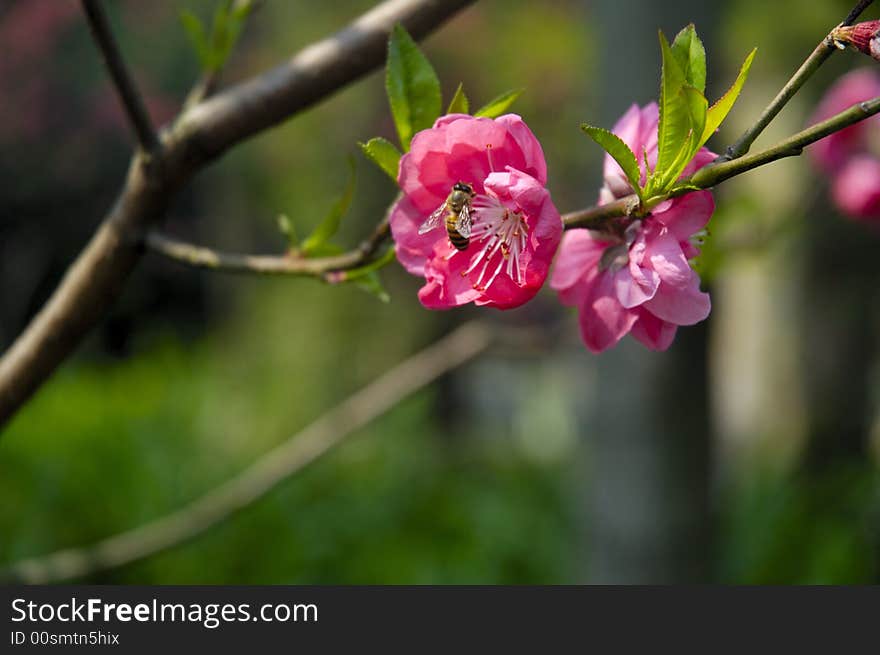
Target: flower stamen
504,232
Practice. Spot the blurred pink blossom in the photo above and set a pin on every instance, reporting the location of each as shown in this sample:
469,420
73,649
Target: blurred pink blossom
516,228
640,282
849,157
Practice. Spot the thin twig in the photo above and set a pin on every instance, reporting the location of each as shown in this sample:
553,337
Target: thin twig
291,263
857,11
818,57
712,175
125,87
222,502
717,172
287,264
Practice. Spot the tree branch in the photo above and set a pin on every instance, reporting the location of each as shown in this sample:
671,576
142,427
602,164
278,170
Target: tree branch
224,501
857,11
253,106
818,57
288,264
97,277
714,174
125,87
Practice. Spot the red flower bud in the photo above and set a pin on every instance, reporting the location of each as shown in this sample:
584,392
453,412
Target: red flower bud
864,37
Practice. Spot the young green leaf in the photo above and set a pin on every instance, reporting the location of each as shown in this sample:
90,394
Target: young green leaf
718,112
221,36
287,228
198,38
667,180
372,284
696,105
675,119
324,250
384,154
325,230
614,146
412,86
697,108
500,104
691,55
459,103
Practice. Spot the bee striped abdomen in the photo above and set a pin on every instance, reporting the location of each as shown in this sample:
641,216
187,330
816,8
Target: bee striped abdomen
456,239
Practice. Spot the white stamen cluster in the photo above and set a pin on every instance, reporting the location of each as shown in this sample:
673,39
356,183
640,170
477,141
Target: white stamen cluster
500,232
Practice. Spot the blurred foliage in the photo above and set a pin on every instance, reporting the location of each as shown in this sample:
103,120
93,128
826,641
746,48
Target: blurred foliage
195,375
396,505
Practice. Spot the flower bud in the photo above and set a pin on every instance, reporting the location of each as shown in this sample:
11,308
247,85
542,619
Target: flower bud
864,37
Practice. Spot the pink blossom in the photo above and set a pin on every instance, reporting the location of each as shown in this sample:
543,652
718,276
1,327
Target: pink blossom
850,157
516,228
639,282
833,151
856,187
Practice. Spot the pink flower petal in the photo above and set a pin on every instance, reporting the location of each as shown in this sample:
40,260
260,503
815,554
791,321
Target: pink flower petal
857,86
856,189
603,321
667,258
579,255
682,306
654,333
688,214
631,290
445,286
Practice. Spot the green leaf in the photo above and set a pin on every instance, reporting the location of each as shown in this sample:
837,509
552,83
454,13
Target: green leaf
500,104
221,36
459,103
718,112
384,154
198,38
675,112
691,55
325,250
412,86
325,230
372,284
287,228
696,105
671,174
614,146
228,22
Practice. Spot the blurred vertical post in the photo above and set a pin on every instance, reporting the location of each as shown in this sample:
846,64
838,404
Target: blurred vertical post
648,436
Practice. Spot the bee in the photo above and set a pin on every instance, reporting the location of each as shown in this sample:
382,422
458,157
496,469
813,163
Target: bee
456,214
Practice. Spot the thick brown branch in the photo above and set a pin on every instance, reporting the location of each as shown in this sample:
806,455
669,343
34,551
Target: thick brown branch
274,467
97,277
248,108
125,87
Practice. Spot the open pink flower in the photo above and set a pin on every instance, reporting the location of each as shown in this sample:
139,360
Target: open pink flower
641,283
850,158
516,229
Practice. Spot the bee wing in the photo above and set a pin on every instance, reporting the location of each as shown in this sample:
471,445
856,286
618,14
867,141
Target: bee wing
433,220
464,222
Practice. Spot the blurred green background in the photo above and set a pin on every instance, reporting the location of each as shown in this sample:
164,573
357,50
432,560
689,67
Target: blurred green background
748,453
